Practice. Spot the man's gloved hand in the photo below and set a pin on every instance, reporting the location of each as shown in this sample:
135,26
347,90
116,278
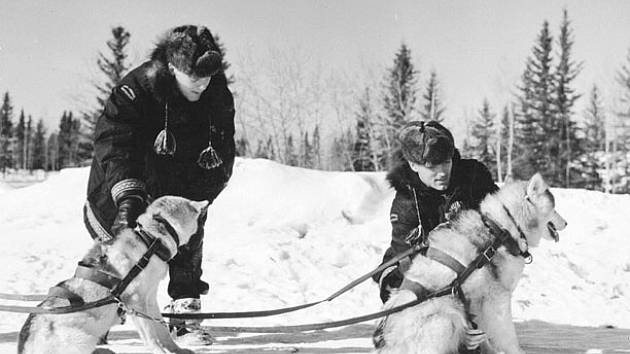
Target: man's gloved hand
129,208
390,279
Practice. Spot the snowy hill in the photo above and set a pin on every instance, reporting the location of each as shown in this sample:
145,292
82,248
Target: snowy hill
281,236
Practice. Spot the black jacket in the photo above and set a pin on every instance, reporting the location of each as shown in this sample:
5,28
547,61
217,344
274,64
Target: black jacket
134,114
415,203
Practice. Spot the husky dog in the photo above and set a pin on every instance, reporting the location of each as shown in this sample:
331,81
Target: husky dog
170,219
438,326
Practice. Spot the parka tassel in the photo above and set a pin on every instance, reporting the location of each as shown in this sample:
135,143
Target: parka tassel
209,159
165,143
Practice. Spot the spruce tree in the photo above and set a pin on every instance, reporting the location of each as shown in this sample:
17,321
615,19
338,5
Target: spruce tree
290,155
432,108
593,143
317,153
307,151
399,98
364,154
39,147
565,73
28,148
485,136
113,65
538,138
6,133
242,146
20,142
68,140
224,63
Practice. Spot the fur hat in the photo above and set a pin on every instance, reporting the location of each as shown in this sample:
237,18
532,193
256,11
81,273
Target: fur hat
191,49
430,142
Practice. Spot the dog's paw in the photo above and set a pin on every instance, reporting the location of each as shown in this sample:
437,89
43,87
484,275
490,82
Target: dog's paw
474,337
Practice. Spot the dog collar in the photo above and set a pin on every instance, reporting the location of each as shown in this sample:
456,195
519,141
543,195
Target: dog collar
506,238
148,239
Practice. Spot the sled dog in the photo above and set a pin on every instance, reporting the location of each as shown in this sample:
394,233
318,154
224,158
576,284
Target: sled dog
170,219
437,326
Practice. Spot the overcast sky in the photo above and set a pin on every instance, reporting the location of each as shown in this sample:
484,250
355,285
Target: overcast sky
478,48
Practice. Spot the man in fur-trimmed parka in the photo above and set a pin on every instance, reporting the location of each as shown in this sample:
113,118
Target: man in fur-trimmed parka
166,129
432,182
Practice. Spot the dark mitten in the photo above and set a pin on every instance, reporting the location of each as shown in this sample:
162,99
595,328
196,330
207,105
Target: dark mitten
391,279
129,208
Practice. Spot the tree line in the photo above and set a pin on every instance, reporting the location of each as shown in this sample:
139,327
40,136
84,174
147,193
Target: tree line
284,107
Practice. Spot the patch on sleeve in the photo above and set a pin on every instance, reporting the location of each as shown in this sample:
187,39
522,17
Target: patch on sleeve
128,92
393,217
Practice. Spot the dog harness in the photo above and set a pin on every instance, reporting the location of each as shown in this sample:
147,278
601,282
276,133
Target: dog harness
108,278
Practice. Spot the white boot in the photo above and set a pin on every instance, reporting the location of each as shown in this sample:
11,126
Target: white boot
188,332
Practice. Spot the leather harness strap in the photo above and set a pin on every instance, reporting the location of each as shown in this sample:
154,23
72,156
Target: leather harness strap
97,275
502,237
62,292
110,281
446,259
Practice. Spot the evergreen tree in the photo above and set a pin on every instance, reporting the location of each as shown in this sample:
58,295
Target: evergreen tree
342,145
224,63
19,154
307,152
242,146
68,140
28,149
265,150
52,155
432,109
364,153
291,157
566,72
6,133
484,134
113,65
39,147
538,138
593,143
317,154
399,98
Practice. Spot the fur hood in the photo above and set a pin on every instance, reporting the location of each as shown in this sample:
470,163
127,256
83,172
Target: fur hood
401,177
157,76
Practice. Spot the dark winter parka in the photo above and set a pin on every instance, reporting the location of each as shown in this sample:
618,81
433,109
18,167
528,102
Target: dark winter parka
125,133
415,203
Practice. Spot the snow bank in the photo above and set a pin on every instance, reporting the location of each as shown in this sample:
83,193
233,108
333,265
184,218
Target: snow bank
4,187
280,236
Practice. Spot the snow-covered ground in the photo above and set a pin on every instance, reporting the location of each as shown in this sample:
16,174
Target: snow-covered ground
281,236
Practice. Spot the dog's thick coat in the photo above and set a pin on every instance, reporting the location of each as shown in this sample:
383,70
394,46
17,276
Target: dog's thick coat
78,333
438,326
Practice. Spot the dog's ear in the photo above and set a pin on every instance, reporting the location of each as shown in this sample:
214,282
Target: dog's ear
201,206
536,185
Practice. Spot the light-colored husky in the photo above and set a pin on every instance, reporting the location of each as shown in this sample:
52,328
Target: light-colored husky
439,325
79,332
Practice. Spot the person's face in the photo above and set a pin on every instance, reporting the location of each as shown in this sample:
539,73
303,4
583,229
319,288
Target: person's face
190,86
435,176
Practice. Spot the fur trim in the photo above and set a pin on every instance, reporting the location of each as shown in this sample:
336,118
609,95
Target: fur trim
191,49
208,62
